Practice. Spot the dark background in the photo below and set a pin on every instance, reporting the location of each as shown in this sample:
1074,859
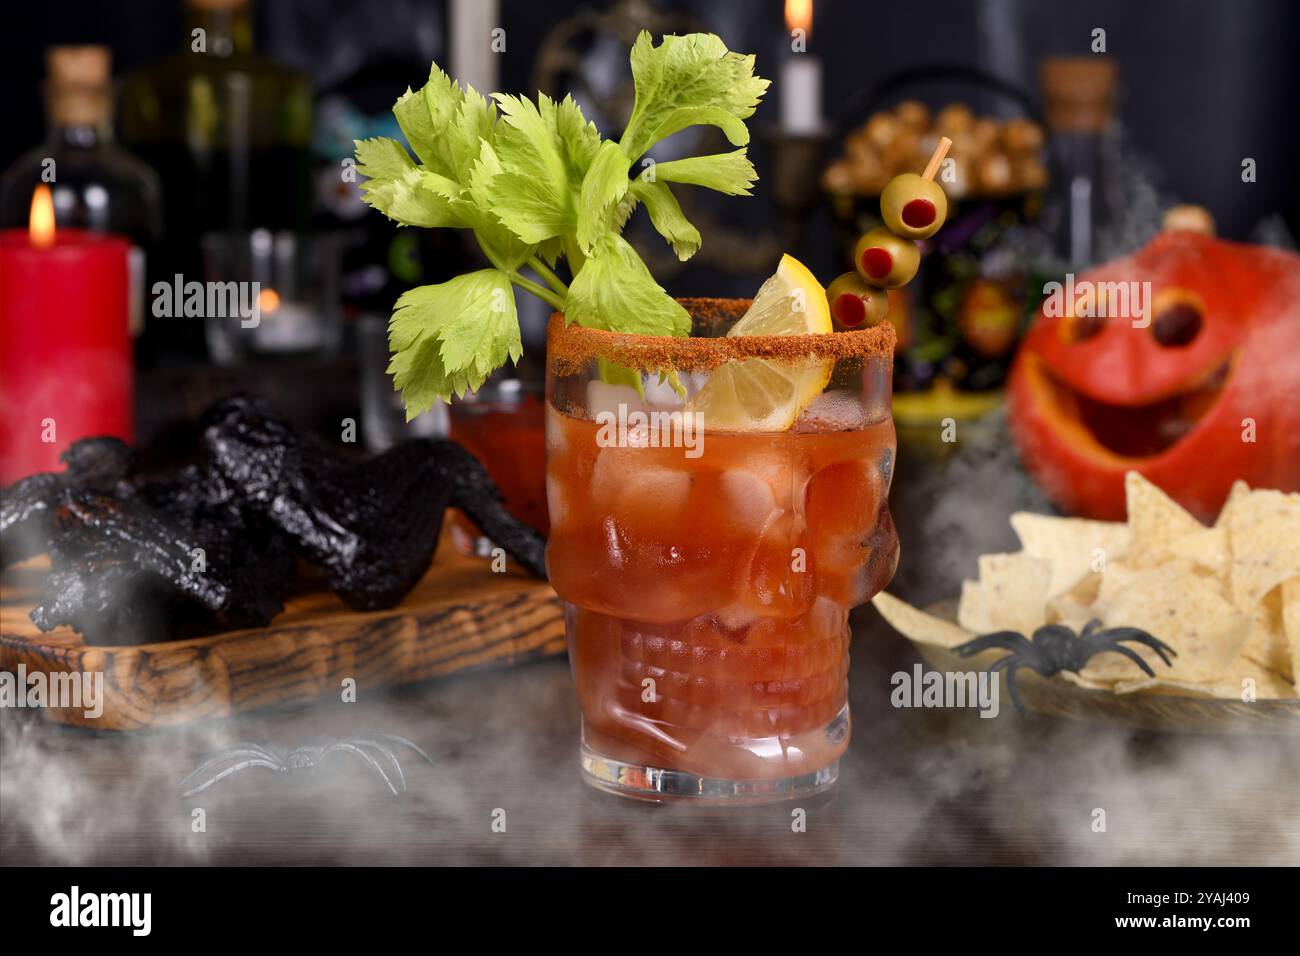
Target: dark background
1205,83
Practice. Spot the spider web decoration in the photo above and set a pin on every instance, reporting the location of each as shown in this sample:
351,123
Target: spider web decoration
377,752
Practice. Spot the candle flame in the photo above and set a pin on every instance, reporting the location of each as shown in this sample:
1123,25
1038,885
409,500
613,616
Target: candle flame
268,300
40,227
799,15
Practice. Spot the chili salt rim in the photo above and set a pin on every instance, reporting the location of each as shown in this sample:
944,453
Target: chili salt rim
569,347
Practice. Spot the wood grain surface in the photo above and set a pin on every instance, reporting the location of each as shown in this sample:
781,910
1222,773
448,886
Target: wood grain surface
462,615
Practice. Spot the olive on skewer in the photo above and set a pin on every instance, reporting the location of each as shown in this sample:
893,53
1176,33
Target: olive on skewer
915,206
856,304
883,258
886,260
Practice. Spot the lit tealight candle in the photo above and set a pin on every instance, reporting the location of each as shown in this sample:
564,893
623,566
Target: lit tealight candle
284,325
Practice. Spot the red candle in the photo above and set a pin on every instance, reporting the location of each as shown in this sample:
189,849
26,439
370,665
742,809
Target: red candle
65,343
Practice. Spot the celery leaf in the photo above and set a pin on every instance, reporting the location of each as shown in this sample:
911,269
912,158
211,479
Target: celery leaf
447,338
687,81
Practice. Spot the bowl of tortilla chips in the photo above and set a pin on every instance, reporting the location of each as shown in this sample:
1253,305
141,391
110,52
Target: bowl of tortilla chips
1225,597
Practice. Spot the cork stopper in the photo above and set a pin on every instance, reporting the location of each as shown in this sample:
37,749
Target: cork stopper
217,6
78,87
1078,92
1188,218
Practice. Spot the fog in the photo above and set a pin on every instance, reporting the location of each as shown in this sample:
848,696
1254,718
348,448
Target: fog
916,786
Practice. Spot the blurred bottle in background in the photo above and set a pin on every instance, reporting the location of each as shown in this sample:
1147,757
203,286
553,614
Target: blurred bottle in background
229,133
94,182
358,63
1079,101
379,260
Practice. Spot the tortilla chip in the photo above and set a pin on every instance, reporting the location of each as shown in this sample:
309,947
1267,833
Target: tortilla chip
1269,684
1164,687
1075,607
1083,682
1267,644
1011,595
1264,537
916,625
1239,492
1155,521
1291,624
1231,685
973,612
1117,579
1180,607
1207,548
1070,545
1068,610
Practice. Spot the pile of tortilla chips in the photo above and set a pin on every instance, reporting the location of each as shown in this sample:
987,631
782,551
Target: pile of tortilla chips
1226,598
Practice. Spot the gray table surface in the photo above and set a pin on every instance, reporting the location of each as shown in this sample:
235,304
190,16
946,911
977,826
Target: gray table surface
916,787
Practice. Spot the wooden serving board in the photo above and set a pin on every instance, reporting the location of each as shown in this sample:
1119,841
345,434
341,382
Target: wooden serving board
461,615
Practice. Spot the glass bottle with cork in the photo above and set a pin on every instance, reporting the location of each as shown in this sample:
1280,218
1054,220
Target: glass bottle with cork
1079,96
95,183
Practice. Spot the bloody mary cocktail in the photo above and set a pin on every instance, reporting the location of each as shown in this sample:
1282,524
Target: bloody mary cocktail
708,582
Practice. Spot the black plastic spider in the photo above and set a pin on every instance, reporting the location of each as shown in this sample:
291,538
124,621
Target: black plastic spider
304,759
1056,648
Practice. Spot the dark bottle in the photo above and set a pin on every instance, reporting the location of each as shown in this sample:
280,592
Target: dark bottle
229,133
1079,95
95,183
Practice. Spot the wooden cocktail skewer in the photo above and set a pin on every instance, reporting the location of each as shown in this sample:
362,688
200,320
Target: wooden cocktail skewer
888,256
940,152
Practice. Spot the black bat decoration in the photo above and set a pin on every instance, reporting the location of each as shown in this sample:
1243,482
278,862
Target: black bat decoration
1055,648
142,551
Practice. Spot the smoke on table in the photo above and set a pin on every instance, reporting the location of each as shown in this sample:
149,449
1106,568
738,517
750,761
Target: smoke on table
68,795
951,509
916,787
60,808
1041,789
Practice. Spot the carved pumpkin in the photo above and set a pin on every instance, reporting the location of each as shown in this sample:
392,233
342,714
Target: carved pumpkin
1206,393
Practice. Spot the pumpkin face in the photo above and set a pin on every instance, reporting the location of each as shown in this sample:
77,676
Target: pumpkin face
1206,393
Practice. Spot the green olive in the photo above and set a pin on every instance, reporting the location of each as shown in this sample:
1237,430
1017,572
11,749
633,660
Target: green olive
855,304
913,207
886,260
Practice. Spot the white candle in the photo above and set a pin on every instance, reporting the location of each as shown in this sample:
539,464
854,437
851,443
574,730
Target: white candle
474,44
801,75
801,95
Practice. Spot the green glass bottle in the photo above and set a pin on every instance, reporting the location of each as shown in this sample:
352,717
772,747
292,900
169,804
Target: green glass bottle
229,133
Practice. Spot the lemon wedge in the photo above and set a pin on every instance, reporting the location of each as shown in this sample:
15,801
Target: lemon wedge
761,394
